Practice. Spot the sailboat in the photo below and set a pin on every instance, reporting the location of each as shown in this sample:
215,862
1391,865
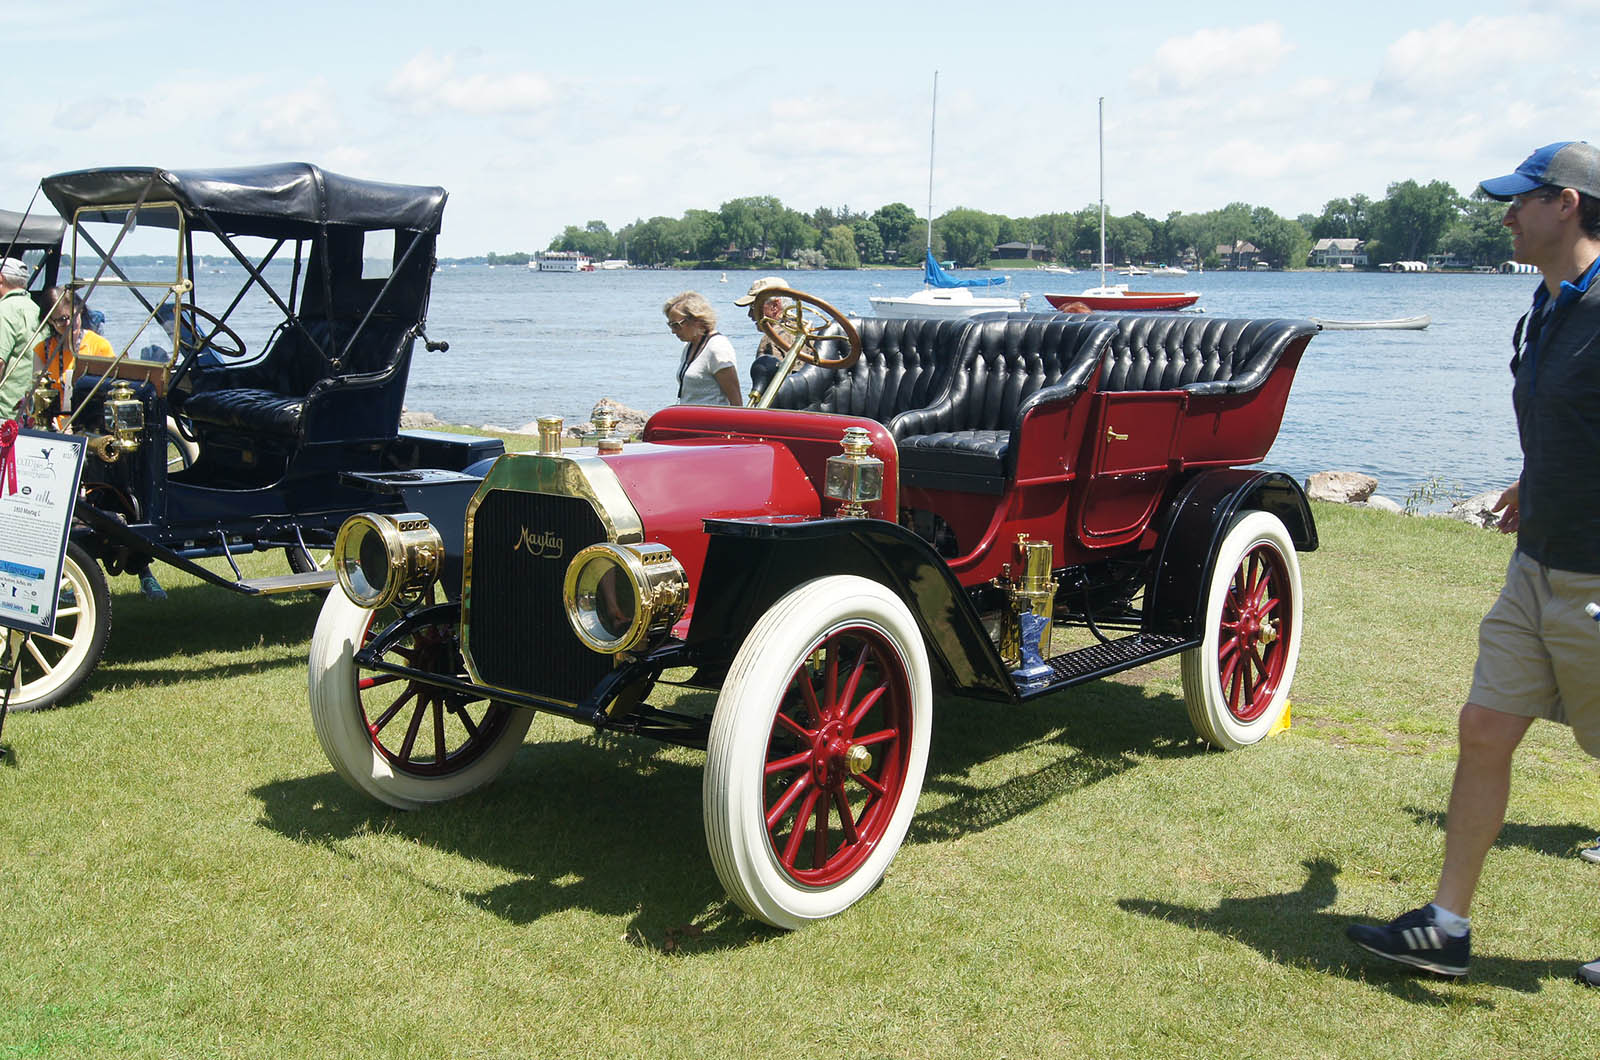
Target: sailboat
1117,296
943,295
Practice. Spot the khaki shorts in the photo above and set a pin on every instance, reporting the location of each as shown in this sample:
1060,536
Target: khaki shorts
1539,653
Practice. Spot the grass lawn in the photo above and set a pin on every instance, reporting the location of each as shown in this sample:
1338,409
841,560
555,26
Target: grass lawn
183,875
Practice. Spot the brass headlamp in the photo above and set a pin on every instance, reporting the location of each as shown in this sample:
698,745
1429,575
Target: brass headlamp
384,559
621,597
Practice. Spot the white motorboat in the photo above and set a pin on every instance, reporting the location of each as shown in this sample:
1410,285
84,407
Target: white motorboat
952,302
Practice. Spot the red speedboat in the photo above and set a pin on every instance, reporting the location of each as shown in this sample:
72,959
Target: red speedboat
1119,297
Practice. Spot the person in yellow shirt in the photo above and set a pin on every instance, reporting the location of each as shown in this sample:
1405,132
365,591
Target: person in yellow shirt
56,356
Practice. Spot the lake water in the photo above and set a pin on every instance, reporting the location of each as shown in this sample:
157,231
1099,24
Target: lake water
1404,406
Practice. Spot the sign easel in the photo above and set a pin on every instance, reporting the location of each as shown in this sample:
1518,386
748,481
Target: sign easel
39,474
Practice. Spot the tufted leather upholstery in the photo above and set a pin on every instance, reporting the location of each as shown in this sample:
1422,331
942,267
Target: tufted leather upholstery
270,395
904,365
248,409
1200,354
1009,365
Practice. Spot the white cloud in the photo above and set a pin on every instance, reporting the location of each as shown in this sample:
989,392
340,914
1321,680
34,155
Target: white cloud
301,122
1213,56
1447,57
427,81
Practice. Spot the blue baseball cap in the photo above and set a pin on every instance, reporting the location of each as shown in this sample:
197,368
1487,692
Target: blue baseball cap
1569,164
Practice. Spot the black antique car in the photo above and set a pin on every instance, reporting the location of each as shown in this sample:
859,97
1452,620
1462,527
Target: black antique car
916,511
36,239
262,323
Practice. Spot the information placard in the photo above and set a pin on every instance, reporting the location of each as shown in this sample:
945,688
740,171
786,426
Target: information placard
34,519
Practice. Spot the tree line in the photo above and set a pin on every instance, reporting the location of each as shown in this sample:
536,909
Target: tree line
1409,223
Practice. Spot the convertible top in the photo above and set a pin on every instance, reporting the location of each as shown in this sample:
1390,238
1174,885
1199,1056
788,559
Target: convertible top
285,199
38,230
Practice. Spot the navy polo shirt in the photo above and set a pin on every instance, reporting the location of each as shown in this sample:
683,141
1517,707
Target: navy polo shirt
1557,399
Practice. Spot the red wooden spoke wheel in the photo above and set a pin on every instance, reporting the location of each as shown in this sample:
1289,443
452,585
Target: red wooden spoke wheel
817,750
399,740
423,730
1255,623
1236,683
836,762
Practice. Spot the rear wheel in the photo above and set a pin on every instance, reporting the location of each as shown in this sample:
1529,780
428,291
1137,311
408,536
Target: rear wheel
402,741
54,665
1236,683
817,751
305,560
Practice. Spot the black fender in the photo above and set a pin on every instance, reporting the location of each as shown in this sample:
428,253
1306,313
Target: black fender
750,564
1191,528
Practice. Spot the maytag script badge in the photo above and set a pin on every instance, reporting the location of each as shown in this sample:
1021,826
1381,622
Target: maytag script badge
543,545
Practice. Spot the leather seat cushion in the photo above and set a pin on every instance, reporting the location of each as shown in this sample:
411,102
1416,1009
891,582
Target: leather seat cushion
262,411
980,453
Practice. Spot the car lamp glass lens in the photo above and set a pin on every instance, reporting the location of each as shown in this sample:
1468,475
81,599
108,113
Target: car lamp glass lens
380,559
618,597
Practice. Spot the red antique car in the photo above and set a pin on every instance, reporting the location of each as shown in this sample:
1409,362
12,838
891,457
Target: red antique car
913,507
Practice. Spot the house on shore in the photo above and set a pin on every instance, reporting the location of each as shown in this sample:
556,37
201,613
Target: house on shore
1332,253
1021,251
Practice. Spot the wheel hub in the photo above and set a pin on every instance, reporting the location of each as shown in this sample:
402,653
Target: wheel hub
834,757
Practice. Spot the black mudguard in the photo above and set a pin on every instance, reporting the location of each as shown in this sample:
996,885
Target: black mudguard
1191,529
750,564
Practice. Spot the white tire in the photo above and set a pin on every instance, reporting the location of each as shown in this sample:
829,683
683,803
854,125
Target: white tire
1236,683
804,813
403,742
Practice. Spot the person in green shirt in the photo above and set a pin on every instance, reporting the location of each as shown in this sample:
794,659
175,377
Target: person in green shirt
19,327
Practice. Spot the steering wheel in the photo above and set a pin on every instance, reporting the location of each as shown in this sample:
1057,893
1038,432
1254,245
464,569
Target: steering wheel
800,328
188,342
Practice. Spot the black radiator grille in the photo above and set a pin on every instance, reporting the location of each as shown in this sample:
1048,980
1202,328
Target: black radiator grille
517,630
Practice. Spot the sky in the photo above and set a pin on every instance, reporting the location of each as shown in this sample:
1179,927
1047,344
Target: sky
534,115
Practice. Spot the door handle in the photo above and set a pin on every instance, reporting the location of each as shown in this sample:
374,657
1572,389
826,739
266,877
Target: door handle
1113,436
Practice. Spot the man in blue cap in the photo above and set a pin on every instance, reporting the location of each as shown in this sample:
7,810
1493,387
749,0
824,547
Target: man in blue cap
1538,651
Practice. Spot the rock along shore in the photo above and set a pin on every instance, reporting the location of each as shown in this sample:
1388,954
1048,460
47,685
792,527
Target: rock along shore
1361,491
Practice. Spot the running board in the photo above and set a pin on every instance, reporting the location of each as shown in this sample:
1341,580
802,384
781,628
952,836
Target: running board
286,583
1103,660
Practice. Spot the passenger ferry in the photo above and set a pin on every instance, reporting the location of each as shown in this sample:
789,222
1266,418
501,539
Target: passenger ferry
561,261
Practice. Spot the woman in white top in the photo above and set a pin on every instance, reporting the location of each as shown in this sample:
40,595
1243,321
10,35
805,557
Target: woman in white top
707,375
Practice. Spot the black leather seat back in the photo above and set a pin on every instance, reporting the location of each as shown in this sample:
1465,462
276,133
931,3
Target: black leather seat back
1004,362
904,364
1201,354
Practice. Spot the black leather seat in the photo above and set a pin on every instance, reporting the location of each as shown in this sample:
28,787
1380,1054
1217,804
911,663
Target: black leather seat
968,439
272,396
1200,354
904,365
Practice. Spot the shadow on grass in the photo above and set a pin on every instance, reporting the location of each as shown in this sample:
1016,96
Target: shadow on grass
613,825
577,824
1556,840
196,620
1292,929
1090,734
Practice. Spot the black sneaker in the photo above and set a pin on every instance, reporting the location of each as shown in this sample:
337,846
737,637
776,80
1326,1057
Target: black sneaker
1413,938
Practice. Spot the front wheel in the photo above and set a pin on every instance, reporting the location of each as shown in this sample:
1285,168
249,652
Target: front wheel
1236,683
54,665
817,751
403,742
